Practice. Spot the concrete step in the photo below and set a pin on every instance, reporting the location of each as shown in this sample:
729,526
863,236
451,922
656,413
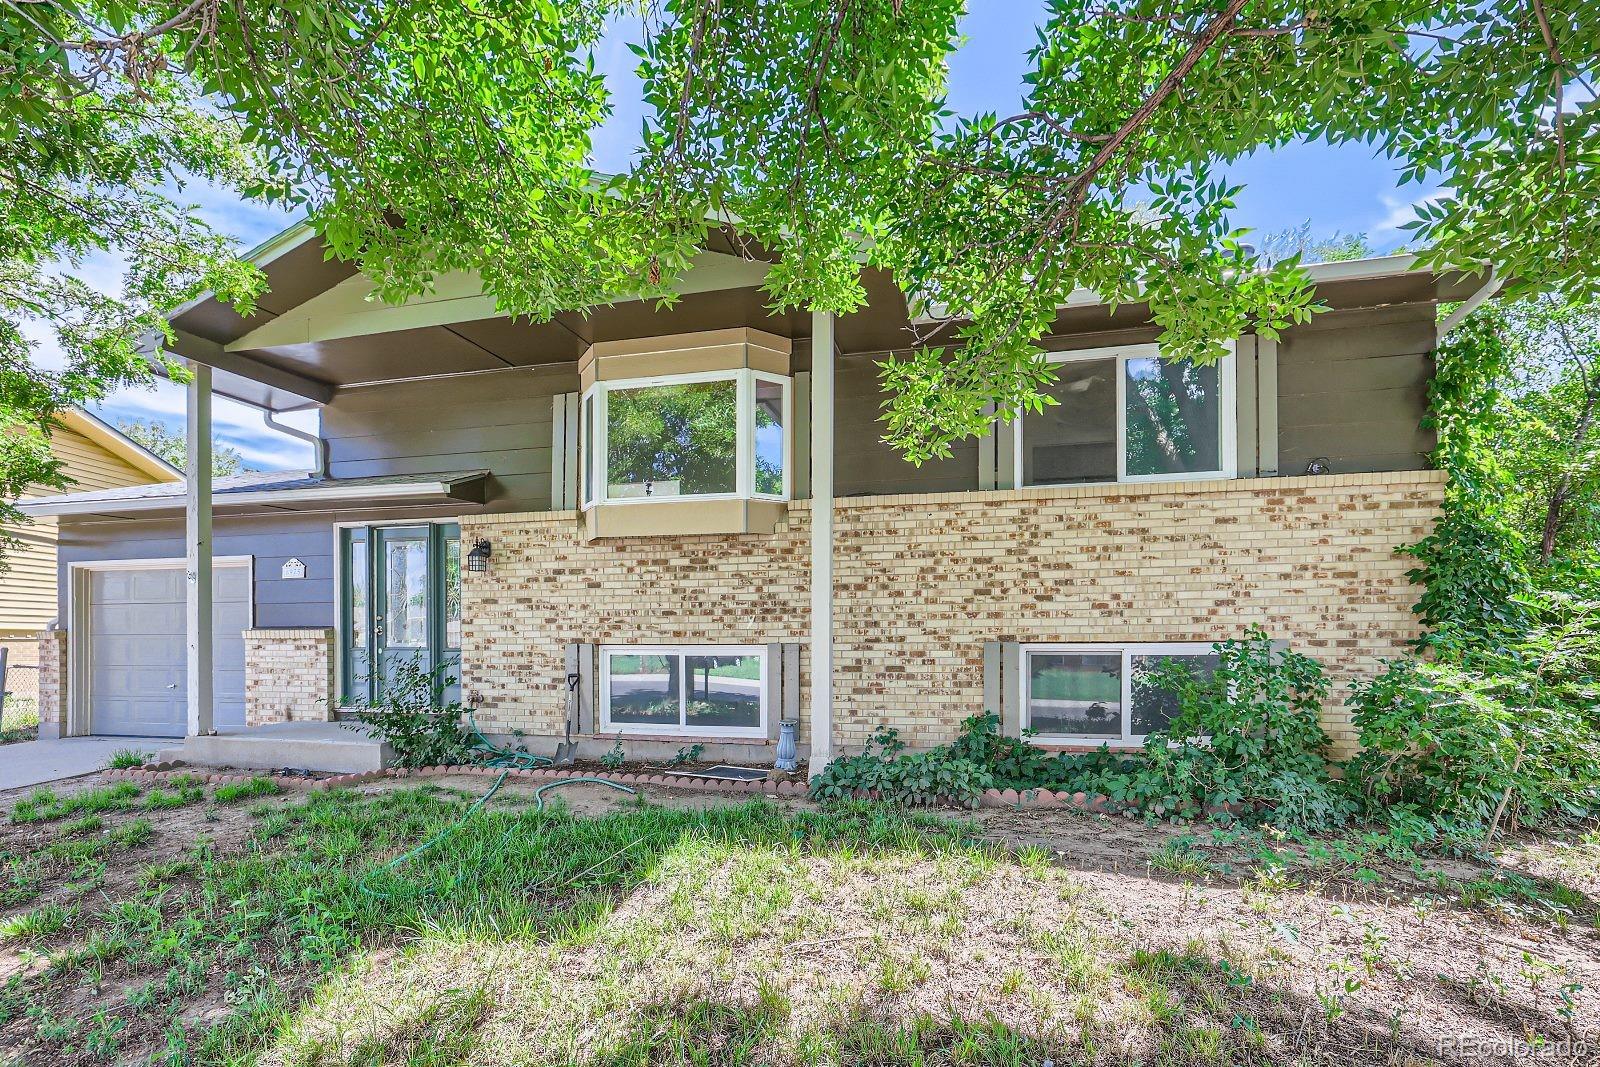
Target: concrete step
312,746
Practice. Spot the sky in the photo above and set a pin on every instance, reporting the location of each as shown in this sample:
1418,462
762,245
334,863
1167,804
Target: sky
1343,189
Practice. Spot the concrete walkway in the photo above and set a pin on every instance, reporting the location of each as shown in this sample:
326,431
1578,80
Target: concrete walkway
36,762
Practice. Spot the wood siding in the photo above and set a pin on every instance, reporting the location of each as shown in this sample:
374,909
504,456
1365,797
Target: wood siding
28,581
500,421
1353,387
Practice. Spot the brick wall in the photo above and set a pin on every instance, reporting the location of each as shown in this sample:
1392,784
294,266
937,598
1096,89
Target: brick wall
921,582
290,676
52,682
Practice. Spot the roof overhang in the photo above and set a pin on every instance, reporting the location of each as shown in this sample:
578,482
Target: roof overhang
425,490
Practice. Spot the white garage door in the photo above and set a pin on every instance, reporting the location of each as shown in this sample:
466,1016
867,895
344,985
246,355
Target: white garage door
137,649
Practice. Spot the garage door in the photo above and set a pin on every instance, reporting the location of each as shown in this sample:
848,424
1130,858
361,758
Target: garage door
137,649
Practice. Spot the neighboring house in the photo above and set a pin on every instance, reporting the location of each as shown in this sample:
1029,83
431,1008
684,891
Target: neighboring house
94,456
640,480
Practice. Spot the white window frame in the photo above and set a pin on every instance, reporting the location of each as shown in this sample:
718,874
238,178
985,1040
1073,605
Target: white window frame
1127,650
681,727
1227,388
596,476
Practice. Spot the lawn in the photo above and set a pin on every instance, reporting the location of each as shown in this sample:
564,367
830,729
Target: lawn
193,924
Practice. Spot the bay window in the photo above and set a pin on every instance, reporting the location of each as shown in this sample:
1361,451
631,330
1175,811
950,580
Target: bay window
1103,694
704,436
700,690
1128,415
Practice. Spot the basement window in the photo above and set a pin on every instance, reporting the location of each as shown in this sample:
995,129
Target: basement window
709,436
1102,694
699,690
1127,415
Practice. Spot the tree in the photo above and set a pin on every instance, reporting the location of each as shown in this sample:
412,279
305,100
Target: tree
1299,243
1547,435
425,137
174,448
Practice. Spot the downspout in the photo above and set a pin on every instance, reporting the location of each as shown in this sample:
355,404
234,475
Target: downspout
319,446
1469,305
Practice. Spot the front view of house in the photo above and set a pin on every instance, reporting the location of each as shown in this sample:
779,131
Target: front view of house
661,525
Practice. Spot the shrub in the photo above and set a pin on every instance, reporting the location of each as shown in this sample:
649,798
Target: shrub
123,758
1246,736
420,727
1470,749
937,776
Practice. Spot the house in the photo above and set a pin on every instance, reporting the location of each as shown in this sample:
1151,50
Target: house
93,456
625,522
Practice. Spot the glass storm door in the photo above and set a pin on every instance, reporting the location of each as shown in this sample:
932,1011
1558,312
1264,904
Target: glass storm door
401,607
402,601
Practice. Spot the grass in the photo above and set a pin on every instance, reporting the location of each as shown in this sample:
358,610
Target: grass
19,720
734,935
125,758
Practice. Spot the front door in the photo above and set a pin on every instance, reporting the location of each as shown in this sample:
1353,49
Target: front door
403,602
401,607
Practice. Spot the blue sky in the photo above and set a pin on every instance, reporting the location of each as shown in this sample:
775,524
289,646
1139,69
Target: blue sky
1343,189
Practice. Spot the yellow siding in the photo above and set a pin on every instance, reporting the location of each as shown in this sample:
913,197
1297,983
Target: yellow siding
28,581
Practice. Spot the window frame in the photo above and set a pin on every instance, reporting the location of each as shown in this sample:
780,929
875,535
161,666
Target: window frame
1127,650
594,435
683,654
1227,389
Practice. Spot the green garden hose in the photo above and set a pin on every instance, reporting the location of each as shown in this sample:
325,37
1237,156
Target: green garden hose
474,808
492,755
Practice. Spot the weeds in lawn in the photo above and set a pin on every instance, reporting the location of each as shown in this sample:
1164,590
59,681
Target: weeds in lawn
43,805
1180,857
37,924
255,787
125,758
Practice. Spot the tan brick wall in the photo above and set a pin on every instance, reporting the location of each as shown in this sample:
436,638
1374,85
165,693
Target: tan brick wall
289,676
52,682
923,581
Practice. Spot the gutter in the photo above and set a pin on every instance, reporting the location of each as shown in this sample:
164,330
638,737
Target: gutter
119,506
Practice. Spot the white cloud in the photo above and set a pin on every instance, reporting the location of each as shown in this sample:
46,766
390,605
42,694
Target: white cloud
1386,231
236,425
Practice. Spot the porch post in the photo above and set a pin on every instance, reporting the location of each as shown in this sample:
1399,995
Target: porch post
197,539
822,359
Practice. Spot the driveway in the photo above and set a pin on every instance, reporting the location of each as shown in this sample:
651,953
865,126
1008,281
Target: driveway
37,762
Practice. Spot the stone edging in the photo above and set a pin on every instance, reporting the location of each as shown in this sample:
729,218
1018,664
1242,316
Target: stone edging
161,772
992,798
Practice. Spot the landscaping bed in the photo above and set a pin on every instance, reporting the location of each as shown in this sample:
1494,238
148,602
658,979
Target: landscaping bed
237,923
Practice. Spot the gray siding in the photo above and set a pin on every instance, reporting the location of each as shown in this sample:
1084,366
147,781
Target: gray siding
1352,386
270,539
499,421
863,464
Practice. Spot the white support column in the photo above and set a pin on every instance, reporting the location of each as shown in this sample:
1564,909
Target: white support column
822,361
197,538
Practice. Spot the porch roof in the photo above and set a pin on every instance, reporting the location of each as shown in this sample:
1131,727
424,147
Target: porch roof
319,330
270,490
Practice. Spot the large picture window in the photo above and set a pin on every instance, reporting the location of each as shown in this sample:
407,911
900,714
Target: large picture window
1102,694
702,690
399,606
713,435
1126,414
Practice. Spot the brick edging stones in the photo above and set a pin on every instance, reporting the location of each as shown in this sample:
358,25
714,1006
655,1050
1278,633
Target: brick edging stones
1025,799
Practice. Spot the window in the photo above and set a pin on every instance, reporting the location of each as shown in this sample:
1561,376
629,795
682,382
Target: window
1096,694
1126,414
399,606
706,690
720,434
